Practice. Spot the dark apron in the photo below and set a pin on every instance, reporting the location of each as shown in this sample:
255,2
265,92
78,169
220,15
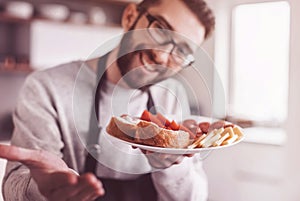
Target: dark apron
138,189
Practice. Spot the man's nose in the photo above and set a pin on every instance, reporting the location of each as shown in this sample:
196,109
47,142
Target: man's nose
161,56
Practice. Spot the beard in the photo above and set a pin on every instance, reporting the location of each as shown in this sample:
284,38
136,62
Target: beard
134,72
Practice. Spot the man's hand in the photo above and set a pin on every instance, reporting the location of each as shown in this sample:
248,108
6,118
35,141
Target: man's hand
162,161
54,179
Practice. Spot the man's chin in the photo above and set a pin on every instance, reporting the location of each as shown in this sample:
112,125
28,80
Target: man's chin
140,83
135,75
132,83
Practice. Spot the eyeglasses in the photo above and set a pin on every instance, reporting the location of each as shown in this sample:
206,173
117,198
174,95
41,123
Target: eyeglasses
181,54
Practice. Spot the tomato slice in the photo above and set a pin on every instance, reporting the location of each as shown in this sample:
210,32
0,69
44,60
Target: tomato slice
174,126
163,119
145,115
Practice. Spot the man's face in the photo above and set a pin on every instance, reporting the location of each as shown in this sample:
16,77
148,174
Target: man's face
141,60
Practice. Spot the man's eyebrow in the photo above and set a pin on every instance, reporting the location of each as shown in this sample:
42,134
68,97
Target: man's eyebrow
165,22
162,19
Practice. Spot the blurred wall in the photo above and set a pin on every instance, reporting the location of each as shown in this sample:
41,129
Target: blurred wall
55,43
292,148
257,171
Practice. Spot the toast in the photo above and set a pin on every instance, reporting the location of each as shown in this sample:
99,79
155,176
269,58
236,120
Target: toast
146,133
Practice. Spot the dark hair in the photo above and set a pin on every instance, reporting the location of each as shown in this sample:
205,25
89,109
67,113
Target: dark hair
198,7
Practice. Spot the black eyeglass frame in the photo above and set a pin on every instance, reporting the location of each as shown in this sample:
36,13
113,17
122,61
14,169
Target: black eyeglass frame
151,19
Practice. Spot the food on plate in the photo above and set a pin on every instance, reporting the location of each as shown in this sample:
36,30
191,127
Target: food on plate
150,134
123,127
157,130
145,131
204,126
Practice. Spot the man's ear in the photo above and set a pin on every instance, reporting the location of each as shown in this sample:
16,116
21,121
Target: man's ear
129,16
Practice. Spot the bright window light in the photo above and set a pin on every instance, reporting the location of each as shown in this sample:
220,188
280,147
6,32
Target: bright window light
260,61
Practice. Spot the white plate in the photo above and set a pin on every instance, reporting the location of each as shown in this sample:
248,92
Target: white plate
176,150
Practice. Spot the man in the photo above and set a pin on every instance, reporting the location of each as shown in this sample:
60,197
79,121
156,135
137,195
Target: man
53,134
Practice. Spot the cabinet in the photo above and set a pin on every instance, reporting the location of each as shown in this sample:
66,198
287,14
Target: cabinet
38,42
14,48
54,43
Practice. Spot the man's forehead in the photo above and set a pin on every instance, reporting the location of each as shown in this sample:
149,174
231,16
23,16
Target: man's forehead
181,18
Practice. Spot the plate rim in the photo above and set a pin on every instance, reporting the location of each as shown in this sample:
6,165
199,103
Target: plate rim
172,150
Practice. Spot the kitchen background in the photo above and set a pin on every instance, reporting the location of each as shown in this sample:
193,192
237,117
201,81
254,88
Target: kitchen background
255,50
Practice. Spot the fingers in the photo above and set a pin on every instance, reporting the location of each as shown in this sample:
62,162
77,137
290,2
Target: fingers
159,160
189,155
87,194
59,179
50,183
85,187
147,152
91,188
178,161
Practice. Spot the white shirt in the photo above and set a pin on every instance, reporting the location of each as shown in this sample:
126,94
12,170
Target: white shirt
116,157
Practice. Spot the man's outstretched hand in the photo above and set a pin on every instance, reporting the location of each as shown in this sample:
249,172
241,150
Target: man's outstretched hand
54,179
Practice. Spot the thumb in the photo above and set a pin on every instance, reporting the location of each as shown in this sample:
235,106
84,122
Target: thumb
13,153
33,159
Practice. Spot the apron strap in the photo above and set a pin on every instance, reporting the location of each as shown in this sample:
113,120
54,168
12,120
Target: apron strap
93,147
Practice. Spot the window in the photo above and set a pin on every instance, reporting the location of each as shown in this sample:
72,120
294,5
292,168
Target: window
260,62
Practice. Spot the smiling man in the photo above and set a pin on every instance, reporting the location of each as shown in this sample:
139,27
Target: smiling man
48,158
158,18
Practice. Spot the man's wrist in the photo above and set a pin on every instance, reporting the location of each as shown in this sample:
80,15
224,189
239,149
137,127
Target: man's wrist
177,170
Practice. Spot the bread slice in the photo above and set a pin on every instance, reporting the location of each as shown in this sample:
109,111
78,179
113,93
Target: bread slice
147,133
123,128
